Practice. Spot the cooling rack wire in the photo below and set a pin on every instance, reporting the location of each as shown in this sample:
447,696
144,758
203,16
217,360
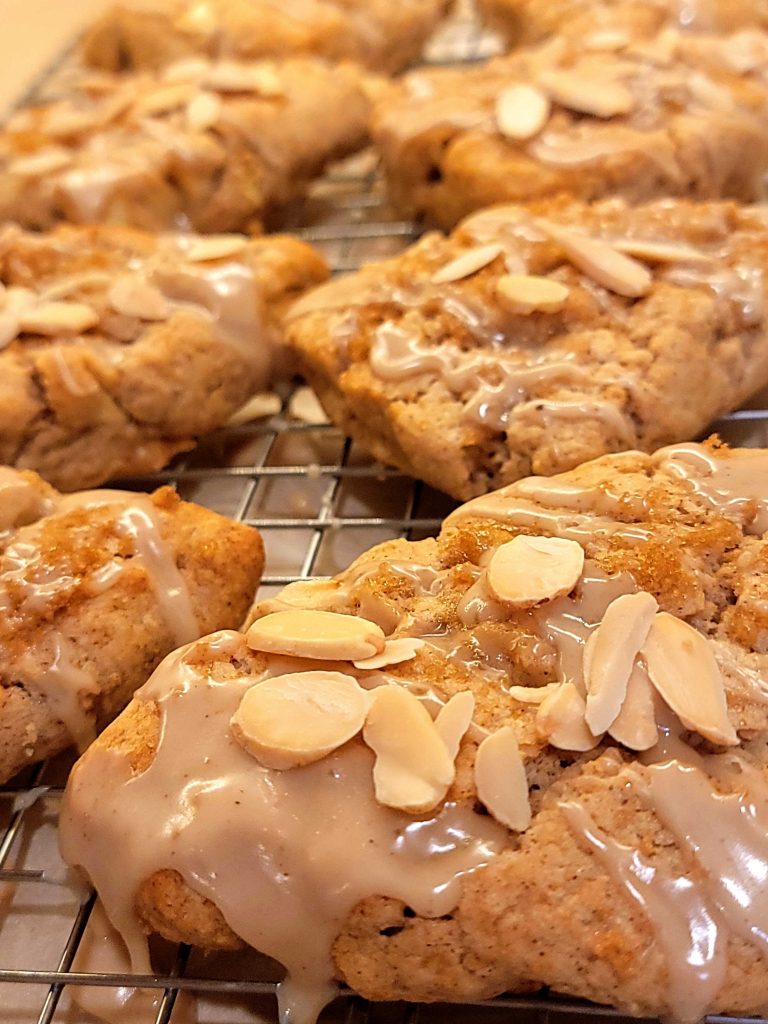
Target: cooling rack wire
319,501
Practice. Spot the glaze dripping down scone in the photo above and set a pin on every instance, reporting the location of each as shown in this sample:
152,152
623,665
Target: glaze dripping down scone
212,145
118,348
529,752
538,337
95,589
609,22
670,115
379,34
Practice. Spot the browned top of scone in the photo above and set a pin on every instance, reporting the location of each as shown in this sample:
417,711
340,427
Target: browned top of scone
680,533
538,336
381,35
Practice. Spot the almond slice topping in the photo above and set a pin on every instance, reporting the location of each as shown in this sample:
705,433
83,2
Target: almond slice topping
522,111
601,97
501,781
526,571
600,261
413,769
132,295
683,668
9,327
609,655
326,636
395,652
266,403
214,247
46,161
295,719
660,252
51,318
527,293
635,725
467,264
560,720
531,694
304,405
232,77
165,99
188,69
203,111
453,719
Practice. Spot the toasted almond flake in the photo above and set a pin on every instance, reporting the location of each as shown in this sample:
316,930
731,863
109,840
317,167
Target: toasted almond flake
610,653
199,18
522,111
267,403
413,769
660,252
203,111
326,636
526,571
53,318
531,694
64,120
17,299
500,779
683,668
9,327
395,652
526,293
304,405
75,282
190,69
560,720
467,264
295,719
453,719
605,40
228,76
214,247
133,295
600,261
635,725
601,97
45,161
165,99
707,92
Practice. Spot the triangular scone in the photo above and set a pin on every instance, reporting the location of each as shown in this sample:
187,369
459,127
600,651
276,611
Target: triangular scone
95,589
208,145
119,348
671,115
379,34
466,832
536,337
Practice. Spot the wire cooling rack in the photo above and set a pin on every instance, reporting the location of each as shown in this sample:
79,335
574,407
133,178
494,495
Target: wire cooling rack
319,501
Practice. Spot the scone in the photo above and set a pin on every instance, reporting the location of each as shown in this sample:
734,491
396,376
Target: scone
671,115
380,34
208,145
529,752
537,337
530,21
119,348
95,589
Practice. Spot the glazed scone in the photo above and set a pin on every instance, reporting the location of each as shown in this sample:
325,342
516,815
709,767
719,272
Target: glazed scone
95,589
439,821
673,115
523,22
118,348
379,34
536,337
207,145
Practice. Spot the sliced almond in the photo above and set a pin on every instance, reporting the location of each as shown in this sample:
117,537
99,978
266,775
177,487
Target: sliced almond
610,653
531,694
635,725
165,99
500,779
325,636
133,295
522,111
267,403
45,161
606,40
560,720
214,247
395,652
601,97
198,17
304,405
413,768
9,327
526,293
467,264
453,719
526,571
191,69
203,111
660,252
229,76
600,261
683,668
53,318
292,720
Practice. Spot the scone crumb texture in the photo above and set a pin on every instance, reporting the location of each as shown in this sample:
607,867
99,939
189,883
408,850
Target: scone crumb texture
527,571
326,636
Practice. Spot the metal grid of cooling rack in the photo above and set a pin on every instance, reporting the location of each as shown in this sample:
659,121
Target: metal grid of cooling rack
319,501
